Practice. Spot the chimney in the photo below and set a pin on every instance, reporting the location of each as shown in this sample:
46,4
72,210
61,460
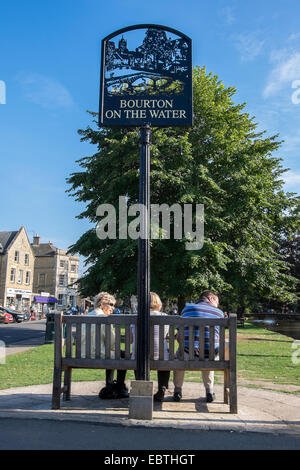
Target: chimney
36,240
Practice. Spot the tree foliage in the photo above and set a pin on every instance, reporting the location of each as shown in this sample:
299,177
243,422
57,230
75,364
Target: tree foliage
222,162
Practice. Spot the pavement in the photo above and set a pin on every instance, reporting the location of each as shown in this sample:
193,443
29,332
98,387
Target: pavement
258,410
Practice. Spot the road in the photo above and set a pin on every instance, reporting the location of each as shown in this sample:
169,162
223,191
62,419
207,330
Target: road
21,336
30,434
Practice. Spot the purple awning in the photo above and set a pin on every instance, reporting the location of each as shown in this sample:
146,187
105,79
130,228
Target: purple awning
45,300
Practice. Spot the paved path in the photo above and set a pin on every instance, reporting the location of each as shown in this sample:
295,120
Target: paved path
259,410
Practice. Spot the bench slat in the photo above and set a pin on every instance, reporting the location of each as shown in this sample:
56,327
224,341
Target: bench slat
151,343
201,342
161,342
211,343
127,341
98,341
78,341
189,365
88,341
171,342
181,343
69,340
108,341
118,342
222,343
191,342
132,319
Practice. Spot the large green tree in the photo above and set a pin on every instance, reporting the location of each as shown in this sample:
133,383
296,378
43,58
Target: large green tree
222,162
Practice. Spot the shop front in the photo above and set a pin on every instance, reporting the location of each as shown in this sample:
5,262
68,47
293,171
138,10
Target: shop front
44,304
18,299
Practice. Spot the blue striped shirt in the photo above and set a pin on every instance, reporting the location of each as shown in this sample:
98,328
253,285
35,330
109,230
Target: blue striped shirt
202,309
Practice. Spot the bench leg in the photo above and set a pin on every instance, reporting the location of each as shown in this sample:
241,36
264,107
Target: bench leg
226,386
233,394
56,391
67,383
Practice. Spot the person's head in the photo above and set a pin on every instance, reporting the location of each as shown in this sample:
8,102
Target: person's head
105,301
211,297
155,302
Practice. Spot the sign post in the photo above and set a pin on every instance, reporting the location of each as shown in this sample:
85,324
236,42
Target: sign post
146,81
143,325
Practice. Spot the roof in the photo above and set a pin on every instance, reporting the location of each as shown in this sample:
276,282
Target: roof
43,249
5,240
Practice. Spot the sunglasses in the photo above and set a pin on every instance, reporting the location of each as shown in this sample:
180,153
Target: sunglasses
111,305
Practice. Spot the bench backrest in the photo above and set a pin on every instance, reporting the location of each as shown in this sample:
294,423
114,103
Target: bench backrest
91,357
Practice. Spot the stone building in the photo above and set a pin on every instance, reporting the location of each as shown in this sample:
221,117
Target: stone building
16,269
55,274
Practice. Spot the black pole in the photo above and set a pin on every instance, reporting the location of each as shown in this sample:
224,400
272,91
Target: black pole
143,320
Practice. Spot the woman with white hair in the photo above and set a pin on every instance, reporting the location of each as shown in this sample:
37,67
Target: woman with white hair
104,304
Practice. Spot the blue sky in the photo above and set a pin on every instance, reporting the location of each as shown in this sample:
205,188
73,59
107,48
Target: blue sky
50,64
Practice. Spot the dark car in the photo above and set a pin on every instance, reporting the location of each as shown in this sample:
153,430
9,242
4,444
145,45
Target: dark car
18,316
2,316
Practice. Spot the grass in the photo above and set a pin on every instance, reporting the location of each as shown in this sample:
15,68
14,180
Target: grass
261,355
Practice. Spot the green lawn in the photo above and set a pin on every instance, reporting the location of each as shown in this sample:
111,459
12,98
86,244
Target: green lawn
262,354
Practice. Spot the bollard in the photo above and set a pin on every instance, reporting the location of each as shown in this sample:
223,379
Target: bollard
141,400
49,335
32,316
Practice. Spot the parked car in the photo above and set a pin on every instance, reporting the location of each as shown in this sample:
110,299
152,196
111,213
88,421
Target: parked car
17,316
8,318
2,316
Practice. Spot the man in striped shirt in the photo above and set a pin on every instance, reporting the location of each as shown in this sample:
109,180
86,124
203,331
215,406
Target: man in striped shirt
206,307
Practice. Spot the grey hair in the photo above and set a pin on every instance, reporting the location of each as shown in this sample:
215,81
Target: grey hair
103,297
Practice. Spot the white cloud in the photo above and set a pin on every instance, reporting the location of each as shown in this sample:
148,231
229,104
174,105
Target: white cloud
291,178
227,15
45,91
294,37
249,45
284,72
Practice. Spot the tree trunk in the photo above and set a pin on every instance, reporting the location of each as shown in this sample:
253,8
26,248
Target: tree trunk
180,303
240,311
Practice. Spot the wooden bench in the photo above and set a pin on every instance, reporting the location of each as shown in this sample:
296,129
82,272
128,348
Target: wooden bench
68,353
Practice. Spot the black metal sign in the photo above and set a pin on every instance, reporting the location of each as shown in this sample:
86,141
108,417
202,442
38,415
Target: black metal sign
146,78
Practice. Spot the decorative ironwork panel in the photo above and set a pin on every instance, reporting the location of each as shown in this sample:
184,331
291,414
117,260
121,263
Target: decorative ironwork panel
146,78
